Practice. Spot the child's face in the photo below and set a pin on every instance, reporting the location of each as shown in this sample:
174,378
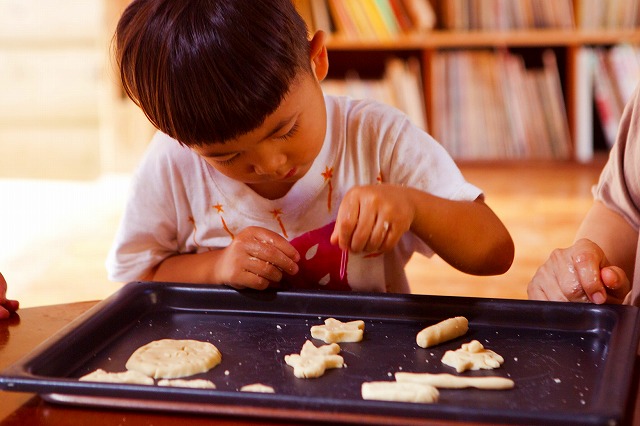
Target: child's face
271,158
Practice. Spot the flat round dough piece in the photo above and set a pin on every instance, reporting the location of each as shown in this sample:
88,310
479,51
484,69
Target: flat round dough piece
133,377
169,359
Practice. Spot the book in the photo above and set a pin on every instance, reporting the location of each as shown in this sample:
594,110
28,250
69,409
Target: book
401,16
373,14
388,17
583,99
422,14
555,110
345,26
609,110
358,15
321,16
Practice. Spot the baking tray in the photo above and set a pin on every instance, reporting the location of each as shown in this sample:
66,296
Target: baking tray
571,363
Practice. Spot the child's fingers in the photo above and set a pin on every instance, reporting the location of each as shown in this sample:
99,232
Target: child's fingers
346,222
378,235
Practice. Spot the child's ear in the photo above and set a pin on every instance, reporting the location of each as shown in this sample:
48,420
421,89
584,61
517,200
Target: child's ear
319,56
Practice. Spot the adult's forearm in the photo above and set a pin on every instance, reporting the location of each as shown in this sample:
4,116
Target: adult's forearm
615,236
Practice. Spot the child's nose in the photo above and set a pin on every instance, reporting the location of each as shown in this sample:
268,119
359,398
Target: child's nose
270,164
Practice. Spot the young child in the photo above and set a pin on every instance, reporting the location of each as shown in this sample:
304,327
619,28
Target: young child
6,305
257,179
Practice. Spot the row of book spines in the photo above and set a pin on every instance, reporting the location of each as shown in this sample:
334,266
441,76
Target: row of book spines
463,15
389,19
367,19
504,112
400,86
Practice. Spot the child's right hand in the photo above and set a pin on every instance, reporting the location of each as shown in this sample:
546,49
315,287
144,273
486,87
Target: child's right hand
6,306
255,258
580,273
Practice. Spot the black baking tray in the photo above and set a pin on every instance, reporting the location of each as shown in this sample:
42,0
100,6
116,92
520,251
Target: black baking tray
571,363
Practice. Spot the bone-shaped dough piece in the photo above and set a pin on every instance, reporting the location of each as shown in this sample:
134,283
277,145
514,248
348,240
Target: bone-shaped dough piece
402,392
441,332
472,356
450,381
313,361
334,331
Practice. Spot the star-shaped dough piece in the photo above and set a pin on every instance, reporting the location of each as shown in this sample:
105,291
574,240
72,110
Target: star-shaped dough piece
313,361
334,331
472,356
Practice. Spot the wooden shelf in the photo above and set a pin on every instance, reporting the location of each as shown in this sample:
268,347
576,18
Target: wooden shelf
476,39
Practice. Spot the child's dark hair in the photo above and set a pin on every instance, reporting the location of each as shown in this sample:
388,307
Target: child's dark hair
206,71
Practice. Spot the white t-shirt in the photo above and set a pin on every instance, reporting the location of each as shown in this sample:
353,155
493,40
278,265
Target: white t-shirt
180,204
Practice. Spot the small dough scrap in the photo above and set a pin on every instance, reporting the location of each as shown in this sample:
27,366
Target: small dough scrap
169,359
443,331
449,381
401,392
472,356
335,331
313,361
133,377
181,383
257,387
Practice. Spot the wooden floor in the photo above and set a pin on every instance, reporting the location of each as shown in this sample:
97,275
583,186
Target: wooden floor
541,204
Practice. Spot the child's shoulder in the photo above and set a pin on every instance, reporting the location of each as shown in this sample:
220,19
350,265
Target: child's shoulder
362,111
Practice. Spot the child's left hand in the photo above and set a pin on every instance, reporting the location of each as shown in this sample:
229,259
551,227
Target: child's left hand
6,306
372,218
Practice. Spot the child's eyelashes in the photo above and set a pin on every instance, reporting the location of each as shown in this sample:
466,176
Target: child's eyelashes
226,161
291,132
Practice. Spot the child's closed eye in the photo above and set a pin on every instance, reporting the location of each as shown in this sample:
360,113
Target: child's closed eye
290,133
225,161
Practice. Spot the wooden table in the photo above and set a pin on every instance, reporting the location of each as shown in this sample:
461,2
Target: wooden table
21,333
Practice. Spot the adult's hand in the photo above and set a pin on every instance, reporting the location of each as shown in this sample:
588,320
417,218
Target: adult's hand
579,273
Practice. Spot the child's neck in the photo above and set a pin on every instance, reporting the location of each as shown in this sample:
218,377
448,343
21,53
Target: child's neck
271,190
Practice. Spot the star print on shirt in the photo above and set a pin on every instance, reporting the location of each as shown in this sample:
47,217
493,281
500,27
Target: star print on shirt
327,175
219,208
276,215
195,231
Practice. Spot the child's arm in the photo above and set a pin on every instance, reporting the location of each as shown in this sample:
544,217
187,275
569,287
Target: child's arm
255,257
466,234
598,267
6,306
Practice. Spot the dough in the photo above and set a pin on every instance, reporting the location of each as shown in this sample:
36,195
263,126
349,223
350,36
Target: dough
334,331
472,356
397,391
450,381
124,377
313,361
257,387
181,383
441,332
168,359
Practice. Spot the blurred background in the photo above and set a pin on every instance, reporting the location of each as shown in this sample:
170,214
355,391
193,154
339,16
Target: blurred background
70,139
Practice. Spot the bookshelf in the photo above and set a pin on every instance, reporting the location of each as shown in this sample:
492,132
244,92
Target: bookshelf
572,34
